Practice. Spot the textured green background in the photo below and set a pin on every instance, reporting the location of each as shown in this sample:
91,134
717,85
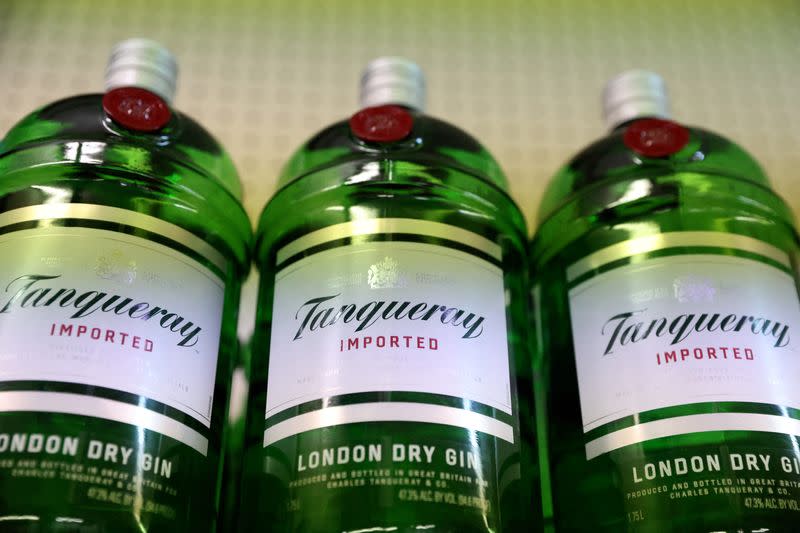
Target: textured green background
523,76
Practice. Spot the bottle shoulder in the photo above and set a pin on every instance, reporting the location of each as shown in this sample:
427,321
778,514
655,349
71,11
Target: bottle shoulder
609,161
81,119
438,172
69,151
610,193
431,141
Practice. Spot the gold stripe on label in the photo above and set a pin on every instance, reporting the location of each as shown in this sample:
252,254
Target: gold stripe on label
661,241
683,425
389,225
388,412
79,404
116,215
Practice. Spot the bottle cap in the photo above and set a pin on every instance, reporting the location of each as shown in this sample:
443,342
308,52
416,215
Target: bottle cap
634,94
393,80
382,124
145,64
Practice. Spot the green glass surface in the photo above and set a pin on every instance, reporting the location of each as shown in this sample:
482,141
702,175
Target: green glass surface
608,194
234,442
71,152
438,173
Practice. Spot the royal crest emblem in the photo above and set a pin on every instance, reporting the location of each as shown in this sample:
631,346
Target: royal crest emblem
384,274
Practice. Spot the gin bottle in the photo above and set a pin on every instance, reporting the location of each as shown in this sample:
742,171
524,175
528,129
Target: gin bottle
666,324
122,248
389,347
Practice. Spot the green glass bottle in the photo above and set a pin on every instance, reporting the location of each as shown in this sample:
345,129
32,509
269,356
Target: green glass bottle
666,311
122,249
389,346
234,441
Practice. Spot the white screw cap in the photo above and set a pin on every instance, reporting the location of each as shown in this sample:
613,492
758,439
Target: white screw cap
142,63
392,80
634,94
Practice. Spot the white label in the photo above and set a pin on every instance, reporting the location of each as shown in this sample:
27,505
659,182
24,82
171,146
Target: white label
389,316
106,309
685,329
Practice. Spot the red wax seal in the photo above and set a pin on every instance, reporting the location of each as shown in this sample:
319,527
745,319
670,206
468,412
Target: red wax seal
655,137
136,109
383,124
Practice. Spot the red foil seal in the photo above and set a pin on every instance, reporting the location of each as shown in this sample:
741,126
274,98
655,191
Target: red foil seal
655,137
136,109
382,124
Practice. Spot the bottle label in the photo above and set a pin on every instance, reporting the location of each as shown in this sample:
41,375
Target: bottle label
388,316
91,320
661,342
